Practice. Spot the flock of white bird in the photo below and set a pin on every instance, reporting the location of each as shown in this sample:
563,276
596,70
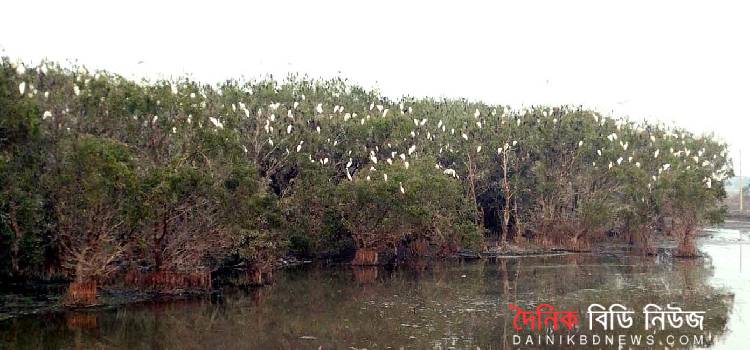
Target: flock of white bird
423,134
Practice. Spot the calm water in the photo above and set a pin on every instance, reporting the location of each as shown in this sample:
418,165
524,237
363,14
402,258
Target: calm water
439,306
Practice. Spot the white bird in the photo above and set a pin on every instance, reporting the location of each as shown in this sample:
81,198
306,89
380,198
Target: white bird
637,164
76,90
619,161
319,108
479,148
216,122
466,137
412,149
325,160
289,129
385,177
318,129
665,166
599,152
349,163
299,148
401,187
270,142
476,113
390,161
656,154
450,172
47,114
22,87
348,175
406,165
580,143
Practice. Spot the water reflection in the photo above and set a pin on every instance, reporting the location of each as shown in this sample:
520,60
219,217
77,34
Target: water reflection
426,306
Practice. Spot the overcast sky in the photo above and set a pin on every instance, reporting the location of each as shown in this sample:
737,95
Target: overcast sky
676,61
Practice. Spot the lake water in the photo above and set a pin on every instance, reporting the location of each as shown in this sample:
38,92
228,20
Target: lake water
427,306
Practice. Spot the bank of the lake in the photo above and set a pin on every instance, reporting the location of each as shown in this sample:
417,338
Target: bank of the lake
438,305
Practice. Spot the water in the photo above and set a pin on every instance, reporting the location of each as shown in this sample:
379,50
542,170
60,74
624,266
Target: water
440,306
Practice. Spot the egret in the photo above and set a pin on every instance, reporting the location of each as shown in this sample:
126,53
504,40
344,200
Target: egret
348,175
401,187
385,177
479,148
372,105
299,147
412,149
406,165
476,113
619,161
319,108
289,129
270,142
213,120
46,114
325,160
318,129
580,143
22,87
599,152
450,172
665,166
403,156
465,137
390,161
76,90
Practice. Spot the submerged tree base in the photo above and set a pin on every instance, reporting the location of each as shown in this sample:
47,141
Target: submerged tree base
80,294
365,257
687,249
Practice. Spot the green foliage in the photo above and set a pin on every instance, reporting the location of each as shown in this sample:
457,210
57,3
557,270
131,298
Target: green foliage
195,176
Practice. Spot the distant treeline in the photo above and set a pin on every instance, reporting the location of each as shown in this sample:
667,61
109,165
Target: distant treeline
100,174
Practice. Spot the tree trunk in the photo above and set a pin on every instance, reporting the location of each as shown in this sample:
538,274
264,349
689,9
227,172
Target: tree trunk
687,248
80,293
365,257
15,244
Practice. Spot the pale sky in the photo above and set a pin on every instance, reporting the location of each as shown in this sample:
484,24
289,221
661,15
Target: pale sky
676,61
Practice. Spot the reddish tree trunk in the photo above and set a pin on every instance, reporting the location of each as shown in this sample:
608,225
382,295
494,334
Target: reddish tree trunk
365,257
80,293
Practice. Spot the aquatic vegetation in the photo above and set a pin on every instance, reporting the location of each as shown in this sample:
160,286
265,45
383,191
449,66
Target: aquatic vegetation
100,174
